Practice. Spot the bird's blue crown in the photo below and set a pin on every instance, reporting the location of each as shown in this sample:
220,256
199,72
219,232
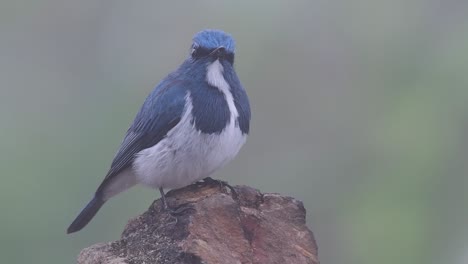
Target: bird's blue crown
212,38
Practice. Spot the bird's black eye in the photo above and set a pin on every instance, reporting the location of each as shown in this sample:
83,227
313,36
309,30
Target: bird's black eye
198,52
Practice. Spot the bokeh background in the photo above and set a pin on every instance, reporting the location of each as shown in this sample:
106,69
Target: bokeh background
359,110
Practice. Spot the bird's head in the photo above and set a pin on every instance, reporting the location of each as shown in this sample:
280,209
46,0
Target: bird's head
212,45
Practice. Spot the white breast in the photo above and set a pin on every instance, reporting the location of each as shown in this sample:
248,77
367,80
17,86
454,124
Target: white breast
186,155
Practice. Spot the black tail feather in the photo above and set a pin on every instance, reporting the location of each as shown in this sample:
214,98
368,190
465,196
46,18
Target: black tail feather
86,215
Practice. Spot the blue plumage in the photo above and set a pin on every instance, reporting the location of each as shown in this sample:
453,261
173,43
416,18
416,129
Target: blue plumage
194,122
212,38
160,112
210,110
240,99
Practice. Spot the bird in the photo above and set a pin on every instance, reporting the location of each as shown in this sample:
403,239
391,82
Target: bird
194,122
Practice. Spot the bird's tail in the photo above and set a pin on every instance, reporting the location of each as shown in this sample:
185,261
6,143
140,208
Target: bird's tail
86,214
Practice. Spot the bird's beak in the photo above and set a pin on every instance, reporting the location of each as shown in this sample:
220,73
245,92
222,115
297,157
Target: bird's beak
219,52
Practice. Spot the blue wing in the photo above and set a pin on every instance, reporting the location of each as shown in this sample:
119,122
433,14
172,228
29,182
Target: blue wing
161,111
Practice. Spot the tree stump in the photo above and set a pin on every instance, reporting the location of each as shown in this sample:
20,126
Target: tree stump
214,225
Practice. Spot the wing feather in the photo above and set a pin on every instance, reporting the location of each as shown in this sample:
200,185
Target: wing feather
160,113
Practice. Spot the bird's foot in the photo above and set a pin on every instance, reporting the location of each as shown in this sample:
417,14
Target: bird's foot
222,185
174,212
179,211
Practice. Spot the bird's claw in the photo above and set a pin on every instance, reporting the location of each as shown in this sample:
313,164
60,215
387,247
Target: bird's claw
175,213
222,185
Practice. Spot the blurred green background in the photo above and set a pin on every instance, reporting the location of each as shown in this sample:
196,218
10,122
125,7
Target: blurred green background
359,109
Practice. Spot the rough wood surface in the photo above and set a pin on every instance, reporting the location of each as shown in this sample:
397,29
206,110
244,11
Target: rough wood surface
214,226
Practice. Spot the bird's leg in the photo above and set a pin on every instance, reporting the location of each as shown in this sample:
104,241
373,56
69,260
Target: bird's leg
221,184
163,198
173,212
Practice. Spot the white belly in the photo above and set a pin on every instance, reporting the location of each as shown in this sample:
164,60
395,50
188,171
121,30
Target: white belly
186,155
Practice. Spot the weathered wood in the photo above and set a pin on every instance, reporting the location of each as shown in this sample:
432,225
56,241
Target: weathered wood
214,226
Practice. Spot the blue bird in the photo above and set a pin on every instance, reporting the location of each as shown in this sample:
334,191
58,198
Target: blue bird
194,122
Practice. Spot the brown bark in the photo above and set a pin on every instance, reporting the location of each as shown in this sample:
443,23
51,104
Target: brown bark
215,225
